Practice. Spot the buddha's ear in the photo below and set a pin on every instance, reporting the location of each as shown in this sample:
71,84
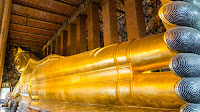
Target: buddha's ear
19,49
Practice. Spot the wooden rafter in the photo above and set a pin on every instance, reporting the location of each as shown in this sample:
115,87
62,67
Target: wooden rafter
24,41
118,10
72,2
27,29
25,45
77,12
37,14
28,35
27,38
122,2
21,20
50,6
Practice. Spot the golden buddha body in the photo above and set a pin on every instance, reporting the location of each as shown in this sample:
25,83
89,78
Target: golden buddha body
116,75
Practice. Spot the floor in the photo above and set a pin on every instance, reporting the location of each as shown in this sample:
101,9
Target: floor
3,109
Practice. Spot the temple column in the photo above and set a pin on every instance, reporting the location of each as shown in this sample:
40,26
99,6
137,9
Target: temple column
71,41
57,46
5,12
47,50
2,6
93,27
81,45
110,29
56,49
63,47
51,48
43,53
135,21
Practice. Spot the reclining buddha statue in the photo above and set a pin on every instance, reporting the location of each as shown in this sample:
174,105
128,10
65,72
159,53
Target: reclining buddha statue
117,76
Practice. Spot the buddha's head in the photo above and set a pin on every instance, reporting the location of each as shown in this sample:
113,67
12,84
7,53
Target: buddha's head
21,59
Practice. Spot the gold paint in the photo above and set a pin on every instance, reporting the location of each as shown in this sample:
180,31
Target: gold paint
72,107
165,1
117,74
108,76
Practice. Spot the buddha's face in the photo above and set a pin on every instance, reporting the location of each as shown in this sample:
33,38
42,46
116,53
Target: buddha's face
20,61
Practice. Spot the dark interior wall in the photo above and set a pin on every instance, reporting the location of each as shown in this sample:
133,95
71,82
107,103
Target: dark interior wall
153,22
10,74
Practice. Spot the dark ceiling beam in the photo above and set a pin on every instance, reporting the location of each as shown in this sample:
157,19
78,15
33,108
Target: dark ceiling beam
35,18
38,14
26,38
120,11
25,45
65,2
121,2
22,20
22,41
28,35
76,13
31,26
27,29
42,9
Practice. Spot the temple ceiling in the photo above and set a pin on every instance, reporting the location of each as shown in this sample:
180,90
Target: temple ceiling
34,22
32,25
